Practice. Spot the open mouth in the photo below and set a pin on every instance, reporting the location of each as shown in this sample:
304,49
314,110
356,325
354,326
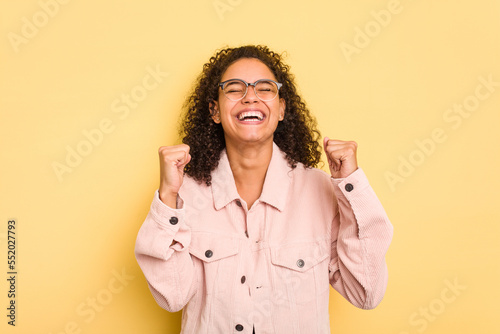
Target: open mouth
251,116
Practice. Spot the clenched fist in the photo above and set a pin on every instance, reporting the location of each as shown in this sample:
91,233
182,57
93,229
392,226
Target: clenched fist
341,157
172,162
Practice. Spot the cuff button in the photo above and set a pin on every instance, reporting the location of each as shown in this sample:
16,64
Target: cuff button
349,187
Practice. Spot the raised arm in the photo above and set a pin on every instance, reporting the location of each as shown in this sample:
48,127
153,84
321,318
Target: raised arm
163,240
361,231
361,234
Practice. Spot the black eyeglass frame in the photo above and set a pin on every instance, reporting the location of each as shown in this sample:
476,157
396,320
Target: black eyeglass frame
223,84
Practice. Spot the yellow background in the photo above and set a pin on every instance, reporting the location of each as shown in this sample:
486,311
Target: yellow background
76,234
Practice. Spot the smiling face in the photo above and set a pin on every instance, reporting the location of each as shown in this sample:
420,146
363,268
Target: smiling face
249,120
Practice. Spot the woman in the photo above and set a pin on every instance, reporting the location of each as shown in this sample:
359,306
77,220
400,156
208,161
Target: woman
244,233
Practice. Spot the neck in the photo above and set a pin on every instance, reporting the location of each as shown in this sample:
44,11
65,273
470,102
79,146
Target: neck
249,160
249,165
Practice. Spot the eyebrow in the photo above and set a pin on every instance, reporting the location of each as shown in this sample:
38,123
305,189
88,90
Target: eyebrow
230,81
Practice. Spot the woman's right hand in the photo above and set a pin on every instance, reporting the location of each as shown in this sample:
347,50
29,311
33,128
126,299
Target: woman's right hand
172,162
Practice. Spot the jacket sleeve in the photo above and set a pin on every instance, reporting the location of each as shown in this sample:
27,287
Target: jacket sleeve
361,234
161,249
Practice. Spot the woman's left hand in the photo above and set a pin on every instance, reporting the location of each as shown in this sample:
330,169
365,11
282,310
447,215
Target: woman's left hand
341,157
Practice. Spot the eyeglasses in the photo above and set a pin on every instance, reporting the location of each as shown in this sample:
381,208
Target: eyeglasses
264,89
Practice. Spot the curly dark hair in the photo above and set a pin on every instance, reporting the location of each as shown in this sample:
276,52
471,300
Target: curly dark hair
296,135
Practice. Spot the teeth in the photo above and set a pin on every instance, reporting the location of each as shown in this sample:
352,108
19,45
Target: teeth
250,114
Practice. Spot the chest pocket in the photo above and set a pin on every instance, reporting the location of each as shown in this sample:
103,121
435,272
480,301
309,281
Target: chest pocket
302,269
218,256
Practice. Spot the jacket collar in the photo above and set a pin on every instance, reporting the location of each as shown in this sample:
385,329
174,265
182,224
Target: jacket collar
276,183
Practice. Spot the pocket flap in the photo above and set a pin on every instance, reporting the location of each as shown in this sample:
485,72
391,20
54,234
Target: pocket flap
300,256
210,247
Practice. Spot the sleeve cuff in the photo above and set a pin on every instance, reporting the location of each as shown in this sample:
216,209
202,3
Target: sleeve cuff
351,185
165,216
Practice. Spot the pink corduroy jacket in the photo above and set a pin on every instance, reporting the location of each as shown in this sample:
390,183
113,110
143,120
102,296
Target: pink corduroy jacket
231,268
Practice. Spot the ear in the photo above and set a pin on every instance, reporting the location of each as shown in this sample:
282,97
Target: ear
214,111
282,109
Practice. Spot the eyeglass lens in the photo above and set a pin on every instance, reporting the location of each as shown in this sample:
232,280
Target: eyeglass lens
265,90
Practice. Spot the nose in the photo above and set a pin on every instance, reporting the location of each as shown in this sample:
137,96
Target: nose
250,96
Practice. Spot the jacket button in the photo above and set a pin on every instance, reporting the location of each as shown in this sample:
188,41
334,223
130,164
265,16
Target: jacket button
173,220
239,327
349,187
300,263
209,253
243,279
